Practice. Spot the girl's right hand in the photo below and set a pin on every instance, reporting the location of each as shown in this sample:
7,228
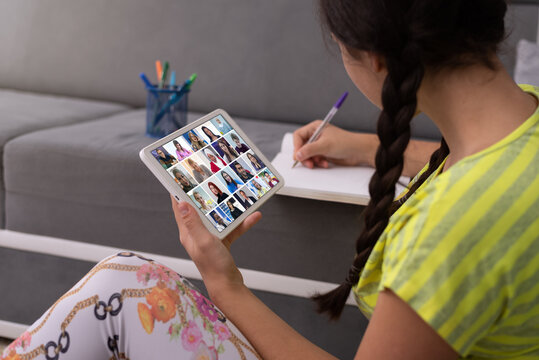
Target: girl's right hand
334,145
211,256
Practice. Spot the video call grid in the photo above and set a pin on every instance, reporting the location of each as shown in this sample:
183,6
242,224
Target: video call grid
206,140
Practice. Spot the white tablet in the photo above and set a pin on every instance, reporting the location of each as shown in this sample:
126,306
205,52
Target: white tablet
212,164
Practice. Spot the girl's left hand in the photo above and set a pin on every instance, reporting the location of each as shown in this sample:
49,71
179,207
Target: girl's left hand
211,255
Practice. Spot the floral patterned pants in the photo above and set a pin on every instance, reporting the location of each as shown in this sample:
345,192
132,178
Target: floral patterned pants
130,307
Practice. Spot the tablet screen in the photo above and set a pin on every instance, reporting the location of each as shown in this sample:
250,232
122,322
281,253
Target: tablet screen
216,168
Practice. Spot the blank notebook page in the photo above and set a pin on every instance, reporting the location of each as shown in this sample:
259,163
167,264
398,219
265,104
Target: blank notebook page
347,184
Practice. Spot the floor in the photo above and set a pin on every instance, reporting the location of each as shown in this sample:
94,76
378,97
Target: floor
3,343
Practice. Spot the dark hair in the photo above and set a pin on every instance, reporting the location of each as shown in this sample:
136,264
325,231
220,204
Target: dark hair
204,128
230,200
230,149
412,37
213,213
232,181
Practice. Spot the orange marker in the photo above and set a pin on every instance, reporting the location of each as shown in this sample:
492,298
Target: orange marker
158,70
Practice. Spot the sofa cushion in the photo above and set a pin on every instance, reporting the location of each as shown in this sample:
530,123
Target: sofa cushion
23,112
527,65
258,59
88,184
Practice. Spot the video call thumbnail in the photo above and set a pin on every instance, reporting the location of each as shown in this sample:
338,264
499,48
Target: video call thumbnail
219,219
245,197
216,168
202,200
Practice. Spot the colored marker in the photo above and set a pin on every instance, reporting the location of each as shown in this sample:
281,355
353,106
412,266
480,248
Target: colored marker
190,81
172,81
158,69
185,87
146,80
164,74
326,121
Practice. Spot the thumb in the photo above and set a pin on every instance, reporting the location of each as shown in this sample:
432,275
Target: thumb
189,223
307,151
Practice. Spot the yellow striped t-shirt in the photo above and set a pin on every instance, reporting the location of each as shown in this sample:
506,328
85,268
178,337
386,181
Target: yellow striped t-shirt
463,251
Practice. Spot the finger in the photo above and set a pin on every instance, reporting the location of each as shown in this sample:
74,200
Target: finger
321,163
302,135
307,151
248,223
308,163
189,223
318,161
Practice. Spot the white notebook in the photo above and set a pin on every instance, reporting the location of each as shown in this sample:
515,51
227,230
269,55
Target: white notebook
344,184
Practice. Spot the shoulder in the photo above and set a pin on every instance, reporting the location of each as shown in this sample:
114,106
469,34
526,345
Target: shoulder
453,251
474,195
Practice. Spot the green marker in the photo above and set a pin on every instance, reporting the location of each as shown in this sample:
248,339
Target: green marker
191,80
164,75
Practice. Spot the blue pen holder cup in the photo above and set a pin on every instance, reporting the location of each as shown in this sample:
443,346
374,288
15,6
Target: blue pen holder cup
166,111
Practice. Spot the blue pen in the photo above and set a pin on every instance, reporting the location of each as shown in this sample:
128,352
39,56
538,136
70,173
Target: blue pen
146,81
148,84
172,79
171,85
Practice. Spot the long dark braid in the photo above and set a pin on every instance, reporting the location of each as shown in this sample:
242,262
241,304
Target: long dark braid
399,104
435,161
406,33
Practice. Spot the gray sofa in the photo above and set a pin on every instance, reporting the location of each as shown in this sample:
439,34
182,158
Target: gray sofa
71,125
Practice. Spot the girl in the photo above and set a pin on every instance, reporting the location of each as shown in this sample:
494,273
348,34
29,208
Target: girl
181,153
184,182
440,272
209,134
219,194
165,159
205,205
231,184
236,212
256,162
449,270
216,163
260,190
196,142
229,153
200,171
270,180
246,200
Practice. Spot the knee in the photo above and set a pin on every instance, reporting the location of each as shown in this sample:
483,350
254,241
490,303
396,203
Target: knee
144,269
125,258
